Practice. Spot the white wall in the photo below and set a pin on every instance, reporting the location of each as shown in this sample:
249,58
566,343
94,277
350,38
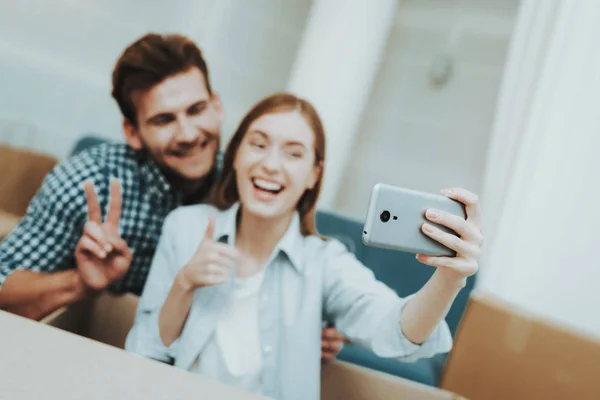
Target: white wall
251,47
543,256
339,57
421,136
56,57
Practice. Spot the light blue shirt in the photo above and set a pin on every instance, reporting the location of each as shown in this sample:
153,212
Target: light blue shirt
307,280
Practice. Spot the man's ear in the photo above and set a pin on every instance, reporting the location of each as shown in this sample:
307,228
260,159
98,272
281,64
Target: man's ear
132,136
216,100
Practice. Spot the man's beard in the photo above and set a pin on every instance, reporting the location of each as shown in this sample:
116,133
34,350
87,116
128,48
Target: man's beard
175,178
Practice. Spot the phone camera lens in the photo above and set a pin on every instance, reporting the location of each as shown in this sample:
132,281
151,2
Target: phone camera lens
385,216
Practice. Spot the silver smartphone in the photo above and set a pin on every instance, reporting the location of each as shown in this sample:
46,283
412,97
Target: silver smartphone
395,216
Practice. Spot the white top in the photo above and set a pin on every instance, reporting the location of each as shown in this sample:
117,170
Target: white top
232,355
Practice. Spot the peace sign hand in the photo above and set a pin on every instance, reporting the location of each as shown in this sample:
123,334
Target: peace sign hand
102,256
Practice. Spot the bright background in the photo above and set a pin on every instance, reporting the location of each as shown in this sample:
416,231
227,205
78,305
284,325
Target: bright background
515,119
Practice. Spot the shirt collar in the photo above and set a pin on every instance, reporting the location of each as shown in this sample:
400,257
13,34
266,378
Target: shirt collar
151,173
226,226
291,244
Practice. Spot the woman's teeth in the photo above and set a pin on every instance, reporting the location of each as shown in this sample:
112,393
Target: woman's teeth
267,185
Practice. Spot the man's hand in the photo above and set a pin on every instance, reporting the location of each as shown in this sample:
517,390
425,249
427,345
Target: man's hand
102,256
331,343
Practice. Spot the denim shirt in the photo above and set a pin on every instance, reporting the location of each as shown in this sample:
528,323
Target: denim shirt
307,279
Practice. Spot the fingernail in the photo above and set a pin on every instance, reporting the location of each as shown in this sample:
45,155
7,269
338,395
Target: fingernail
102,254
108,247
446,191
433,214
428,228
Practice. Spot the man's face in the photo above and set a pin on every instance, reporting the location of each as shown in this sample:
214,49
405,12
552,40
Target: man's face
179,124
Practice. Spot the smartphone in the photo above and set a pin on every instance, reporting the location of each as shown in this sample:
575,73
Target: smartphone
395,216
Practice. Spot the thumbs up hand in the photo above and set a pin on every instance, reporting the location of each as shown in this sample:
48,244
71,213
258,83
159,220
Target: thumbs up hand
211,264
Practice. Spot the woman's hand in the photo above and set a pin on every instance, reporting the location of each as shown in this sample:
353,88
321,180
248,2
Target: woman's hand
467,245
211,264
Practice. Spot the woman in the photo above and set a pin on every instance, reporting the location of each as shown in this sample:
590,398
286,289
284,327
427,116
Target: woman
237,291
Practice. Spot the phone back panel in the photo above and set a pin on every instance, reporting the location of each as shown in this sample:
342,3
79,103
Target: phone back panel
406,210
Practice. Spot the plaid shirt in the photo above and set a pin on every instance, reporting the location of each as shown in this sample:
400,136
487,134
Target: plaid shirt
45,239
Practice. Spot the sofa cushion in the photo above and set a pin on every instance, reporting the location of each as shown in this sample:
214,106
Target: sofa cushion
346,230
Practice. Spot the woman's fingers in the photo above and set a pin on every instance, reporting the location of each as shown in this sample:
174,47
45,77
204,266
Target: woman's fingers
466,230
471,202
465,267
226,251
461,247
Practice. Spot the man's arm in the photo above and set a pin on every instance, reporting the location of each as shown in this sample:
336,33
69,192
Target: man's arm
35,295
37,267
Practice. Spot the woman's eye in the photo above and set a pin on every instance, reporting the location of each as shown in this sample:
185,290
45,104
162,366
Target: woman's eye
295,153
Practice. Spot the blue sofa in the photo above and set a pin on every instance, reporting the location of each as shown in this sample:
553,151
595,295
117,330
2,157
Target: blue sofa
400,271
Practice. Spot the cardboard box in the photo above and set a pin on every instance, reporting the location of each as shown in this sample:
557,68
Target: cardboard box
8,222
53,363
22,175
501,353
38,361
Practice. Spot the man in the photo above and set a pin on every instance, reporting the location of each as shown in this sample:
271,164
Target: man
171,122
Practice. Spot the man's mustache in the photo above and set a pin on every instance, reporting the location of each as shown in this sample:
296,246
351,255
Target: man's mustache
202,142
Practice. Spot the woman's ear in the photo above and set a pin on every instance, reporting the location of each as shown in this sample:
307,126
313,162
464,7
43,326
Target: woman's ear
314,176
132,136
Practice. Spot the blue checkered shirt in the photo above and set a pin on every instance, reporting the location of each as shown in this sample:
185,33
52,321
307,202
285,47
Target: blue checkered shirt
45,239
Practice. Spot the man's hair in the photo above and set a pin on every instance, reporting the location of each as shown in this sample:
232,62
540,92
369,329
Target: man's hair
150,60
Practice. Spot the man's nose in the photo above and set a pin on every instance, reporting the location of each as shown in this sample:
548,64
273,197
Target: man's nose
186,130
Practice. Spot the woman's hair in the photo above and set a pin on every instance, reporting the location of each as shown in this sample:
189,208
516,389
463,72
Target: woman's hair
226,192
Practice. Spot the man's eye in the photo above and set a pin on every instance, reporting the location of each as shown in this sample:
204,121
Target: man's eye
197,109
161,121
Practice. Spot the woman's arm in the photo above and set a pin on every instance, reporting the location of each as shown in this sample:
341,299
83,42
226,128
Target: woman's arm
371,314
174,312
368,312
169,291
144,337
212,264
431,304
427,308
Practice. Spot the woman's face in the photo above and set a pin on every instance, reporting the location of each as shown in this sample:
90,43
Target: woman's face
275,164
